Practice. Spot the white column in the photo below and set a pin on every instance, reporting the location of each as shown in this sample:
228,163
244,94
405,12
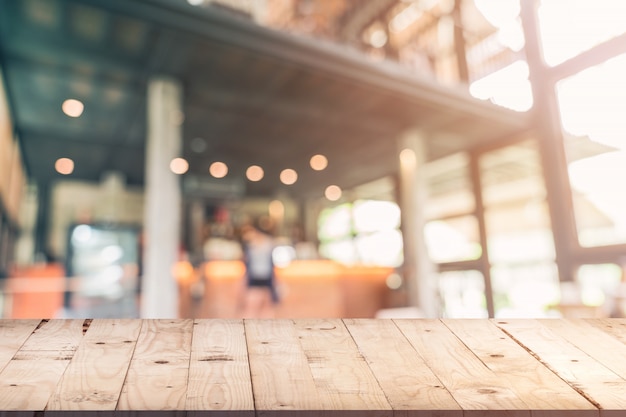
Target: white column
419,270
162,200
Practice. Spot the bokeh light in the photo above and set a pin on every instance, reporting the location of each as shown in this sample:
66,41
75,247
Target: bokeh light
179,166
319,162
288,176
64,166
73,107
333,192
255,173
218,169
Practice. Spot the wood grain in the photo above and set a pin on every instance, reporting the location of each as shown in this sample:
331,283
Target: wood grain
408,383
473,385
219,372
30,378
313,367
56,335
596,382
538,387
601,346
94,378
343,379
158,372
13,333
614,327
281,377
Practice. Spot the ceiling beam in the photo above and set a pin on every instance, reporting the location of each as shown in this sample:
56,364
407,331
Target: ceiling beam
67,138
325,57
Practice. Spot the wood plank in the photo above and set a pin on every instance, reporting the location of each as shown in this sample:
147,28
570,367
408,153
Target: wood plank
599,384
13,333
158,372
343,379
56,335
408,383
219,371
600,345
281,377
615,327
30,378
476,388
94,378
540,389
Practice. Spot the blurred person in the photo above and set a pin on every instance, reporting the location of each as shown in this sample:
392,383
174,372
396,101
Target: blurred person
260,294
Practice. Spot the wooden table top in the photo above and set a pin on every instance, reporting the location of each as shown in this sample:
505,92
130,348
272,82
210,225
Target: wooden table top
355,367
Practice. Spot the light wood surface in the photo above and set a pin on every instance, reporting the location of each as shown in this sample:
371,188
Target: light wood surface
313,367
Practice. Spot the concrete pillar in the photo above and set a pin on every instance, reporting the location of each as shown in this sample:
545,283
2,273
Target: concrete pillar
419,271
162,200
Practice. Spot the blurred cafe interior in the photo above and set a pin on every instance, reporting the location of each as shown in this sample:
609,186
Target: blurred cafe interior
411,158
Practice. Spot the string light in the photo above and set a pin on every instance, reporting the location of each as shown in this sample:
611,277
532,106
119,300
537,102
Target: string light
218,169
333,192
318,162
72,107
255,173
288,176
64,166
179,166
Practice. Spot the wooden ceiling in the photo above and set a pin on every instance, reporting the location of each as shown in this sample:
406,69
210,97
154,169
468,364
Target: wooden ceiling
251,96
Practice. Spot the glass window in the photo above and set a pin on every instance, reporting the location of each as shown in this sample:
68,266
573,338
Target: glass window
591,104
524,289
507,87
452,230
519,237
449,187
455,239
569,27
365,232
598,283
462,294
597,291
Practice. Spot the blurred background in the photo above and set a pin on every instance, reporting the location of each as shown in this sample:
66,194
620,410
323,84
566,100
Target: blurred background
414,158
